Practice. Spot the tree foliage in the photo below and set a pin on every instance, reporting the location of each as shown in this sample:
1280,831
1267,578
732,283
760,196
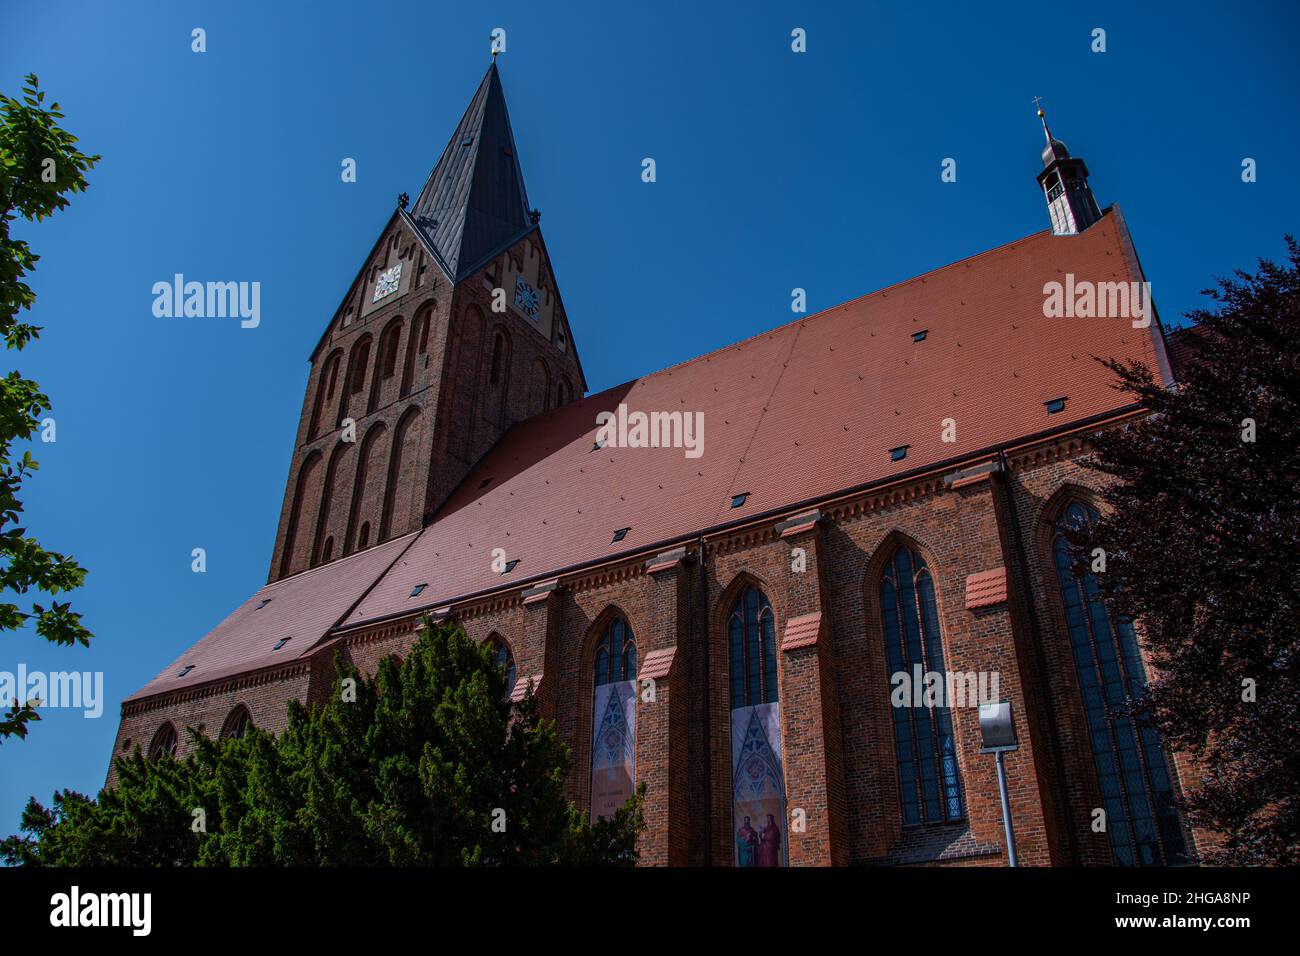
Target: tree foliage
1203,549
40,166
425,764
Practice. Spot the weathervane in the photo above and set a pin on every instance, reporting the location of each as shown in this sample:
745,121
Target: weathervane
1038,102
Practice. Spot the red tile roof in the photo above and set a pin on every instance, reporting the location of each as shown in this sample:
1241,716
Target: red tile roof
791,415
986,588
303,607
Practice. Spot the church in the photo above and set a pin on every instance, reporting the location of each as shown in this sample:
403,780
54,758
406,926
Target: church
874,491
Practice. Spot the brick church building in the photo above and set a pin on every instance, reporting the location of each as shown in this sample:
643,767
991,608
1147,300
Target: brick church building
880,495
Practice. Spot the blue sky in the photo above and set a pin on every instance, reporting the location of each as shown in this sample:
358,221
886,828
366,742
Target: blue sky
775,170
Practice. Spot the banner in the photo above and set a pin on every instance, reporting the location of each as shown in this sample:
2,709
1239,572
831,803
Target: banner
613,747
758,787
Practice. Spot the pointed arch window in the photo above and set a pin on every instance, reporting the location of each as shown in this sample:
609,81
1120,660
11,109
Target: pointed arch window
505,660
758,814
1132,769
164,742
238,724
925,749
751,629
498,347
613,723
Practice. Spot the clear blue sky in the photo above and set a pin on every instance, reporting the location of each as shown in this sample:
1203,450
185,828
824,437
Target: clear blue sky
775,170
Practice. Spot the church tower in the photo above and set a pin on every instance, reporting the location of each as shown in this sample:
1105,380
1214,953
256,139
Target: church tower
1070,202
452,331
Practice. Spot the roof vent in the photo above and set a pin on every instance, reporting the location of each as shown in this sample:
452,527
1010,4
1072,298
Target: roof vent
597,445
281,642
620,534
185,670
485,482
265,602
920,336
1055,405
415,591
738,501
899,453
510,565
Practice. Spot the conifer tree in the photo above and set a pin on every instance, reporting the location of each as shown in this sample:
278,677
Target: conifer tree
428,763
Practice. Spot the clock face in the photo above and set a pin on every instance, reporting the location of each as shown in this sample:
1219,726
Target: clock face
526,298
388,282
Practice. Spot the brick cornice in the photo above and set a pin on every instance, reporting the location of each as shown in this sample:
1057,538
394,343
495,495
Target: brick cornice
269,675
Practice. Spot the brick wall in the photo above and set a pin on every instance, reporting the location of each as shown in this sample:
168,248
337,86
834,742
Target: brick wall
837,732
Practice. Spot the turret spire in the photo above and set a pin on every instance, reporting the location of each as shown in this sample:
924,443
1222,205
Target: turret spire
1070,203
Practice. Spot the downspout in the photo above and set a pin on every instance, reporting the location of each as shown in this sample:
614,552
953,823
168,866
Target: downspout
1036,636
703,615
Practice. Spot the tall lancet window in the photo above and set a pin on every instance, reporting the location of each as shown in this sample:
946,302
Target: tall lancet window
1132,770
757,772
929,779
613,720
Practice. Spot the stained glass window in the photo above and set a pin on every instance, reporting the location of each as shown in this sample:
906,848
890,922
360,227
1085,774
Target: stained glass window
506,661
164,742
929,779
237,724
616,654
1132,770
752,631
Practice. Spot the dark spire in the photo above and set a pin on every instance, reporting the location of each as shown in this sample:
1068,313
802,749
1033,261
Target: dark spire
1070,203
474,202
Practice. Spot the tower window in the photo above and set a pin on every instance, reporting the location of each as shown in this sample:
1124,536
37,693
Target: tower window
281,642
418,590
920,336
738,501
185,670
498,346
899,453
264,602
1055,405
510,565
620,534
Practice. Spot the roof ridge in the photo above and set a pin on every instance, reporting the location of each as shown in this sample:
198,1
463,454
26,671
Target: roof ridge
840,305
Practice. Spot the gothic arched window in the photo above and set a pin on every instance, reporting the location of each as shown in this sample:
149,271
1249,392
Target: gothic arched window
613,722
239,723
757,765
1132,770
498,347
752,632
164,742
505,659
925,750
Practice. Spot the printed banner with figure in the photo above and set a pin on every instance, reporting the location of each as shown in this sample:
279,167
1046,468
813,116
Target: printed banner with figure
613,747
758,787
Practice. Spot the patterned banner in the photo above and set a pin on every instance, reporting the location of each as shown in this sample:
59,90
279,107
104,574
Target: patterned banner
613,747
758,786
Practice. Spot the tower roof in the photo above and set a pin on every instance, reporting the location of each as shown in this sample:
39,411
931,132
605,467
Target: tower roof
474,201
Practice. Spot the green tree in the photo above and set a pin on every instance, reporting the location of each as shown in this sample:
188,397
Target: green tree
1202,548
425,764
39,166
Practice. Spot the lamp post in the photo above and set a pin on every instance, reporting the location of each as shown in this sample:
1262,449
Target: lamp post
998,731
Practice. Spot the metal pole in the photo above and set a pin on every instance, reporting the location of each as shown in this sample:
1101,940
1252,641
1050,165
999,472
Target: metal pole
1006,811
